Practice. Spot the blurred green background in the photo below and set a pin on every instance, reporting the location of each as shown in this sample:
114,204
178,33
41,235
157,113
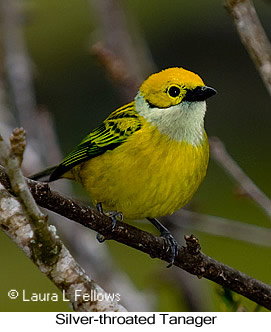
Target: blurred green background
197,35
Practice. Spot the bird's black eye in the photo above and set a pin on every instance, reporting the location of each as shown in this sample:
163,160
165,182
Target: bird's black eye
174,91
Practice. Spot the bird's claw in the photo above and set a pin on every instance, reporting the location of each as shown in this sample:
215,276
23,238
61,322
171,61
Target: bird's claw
172,245
113,215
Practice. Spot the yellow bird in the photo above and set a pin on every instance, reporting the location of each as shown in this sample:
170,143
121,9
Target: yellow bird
148,158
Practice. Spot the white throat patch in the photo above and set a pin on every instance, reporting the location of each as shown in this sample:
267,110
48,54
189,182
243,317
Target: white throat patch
182,122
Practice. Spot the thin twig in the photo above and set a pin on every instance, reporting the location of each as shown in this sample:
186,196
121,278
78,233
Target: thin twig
253,36
116,69
220,155
189,258
231,229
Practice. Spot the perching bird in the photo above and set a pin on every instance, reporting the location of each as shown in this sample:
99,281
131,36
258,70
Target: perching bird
148,158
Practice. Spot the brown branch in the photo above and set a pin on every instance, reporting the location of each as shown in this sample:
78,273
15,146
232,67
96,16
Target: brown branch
252,36
222,157
189,258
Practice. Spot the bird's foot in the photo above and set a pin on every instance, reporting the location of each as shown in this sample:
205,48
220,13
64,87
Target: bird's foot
172,244
113,215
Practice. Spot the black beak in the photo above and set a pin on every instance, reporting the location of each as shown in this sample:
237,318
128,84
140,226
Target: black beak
200,93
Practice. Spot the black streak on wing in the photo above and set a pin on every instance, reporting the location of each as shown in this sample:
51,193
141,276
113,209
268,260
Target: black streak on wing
114,131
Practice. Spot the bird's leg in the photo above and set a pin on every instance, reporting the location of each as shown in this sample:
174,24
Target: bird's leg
172,244
113,215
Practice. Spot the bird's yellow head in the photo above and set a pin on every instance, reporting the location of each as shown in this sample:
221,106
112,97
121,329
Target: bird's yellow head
174,101
172,86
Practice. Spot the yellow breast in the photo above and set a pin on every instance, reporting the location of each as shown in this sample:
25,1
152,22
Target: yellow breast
149,175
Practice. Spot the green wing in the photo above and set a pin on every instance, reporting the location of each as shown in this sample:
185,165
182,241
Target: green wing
115,130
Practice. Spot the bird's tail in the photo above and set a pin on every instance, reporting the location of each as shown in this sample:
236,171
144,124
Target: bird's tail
45,173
